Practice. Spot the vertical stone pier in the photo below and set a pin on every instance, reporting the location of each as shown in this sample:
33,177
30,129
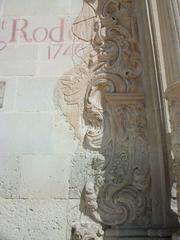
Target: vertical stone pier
169,19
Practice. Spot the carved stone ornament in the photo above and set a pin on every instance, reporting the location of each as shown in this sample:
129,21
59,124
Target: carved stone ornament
87,232
103,100
173,97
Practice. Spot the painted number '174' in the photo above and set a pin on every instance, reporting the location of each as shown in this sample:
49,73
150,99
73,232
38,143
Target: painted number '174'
55,50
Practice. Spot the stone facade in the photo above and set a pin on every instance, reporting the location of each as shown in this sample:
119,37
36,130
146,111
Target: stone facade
35,156
84,150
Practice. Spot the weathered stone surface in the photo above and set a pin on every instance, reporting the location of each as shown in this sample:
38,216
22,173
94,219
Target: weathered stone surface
35,94
8,94
32,219
32,132
36,142
75,7
44,176
57,7
64,141
20,53
19,60
1,7
9,176
73,215
52,68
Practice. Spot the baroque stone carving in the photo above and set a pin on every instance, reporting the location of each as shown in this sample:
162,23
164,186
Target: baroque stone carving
104,102
87,232
173,96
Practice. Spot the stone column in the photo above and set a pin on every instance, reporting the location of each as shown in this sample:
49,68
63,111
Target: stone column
169,19
172,93
173,97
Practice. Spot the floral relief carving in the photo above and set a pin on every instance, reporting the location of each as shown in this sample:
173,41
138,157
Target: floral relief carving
103,100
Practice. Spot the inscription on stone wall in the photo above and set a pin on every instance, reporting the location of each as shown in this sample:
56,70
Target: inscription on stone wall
29,31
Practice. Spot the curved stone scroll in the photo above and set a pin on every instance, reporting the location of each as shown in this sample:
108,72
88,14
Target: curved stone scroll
104,102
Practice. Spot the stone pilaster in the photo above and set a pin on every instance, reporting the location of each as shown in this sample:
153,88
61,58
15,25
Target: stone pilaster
173,97
169,18
172,64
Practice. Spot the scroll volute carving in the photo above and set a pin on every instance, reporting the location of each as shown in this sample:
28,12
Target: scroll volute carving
104,102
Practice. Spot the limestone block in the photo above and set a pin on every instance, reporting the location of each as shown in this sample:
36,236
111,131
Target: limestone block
64,141
19,53
18,68
75,7
32,219
55,59
73,215
35,94
25,133
53,68
8,97
43,7
44,176
1,7
9,176
19,60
